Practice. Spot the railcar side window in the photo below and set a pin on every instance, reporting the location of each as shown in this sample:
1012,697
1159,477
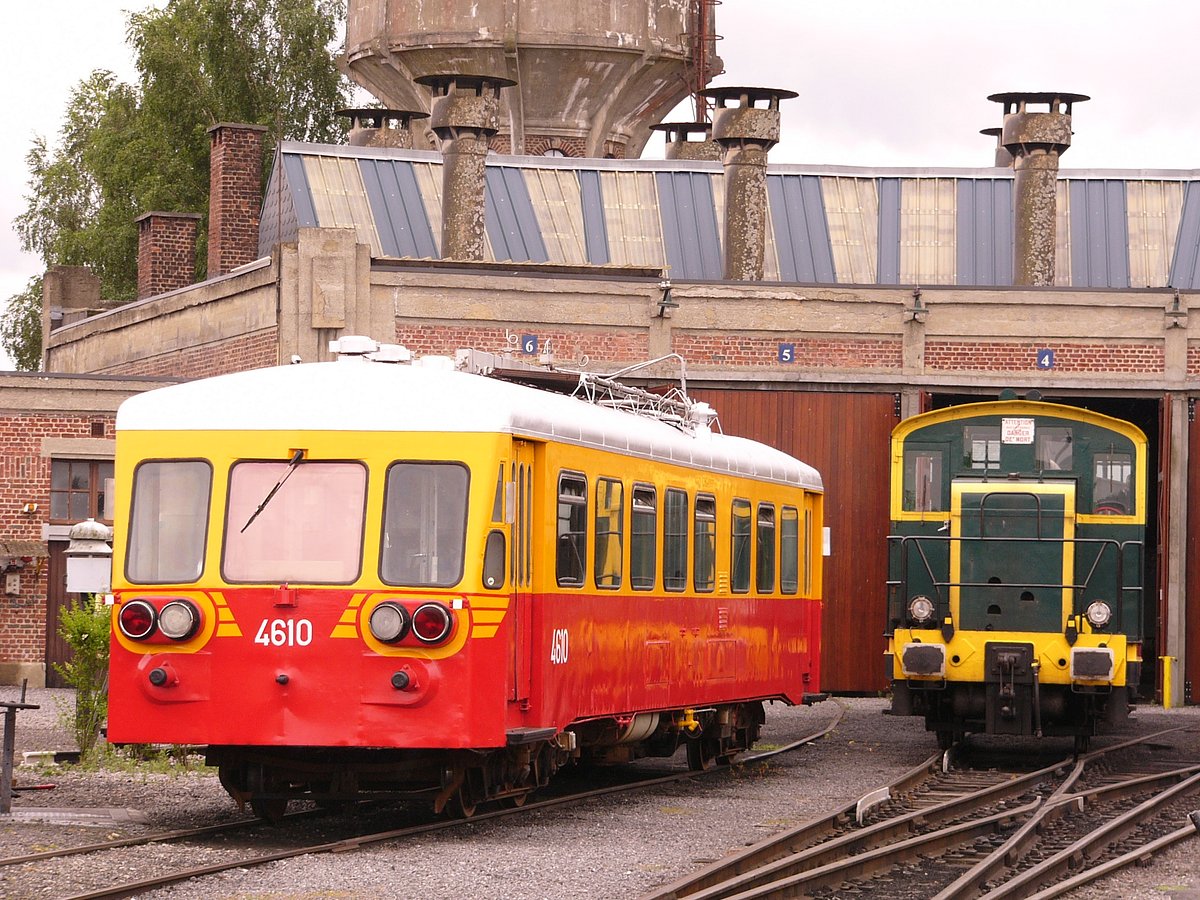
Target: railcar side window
981,447
1112,487
642,561
789,550
765,575
168,522
739,576
571,540
610,513
424,524
311,530
1054,449
704,570
675,540
923,481
809,537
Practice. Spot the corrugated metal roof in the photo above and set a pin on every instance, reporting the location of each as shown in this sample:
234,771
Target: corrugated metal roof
826,224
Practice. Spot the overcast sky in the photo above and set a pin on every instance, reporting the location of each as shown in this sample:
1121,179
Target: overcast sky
881,82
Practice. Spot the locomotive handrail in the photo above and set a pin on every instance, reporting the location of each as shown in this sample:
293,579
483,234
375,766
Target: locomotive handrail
1122,549
983,499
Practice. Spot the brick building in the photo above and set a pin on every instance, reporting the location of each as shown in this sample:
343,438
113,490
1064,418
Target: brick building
883,292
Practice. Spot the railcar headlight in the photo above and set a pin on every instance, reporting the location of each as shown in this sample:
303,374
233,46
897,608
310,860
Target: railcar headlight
178,620
920,608
137,619
389,622
1099,614
431,623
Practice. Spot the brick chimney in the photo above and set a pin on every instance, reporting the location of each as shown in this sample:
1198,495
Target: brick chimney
464,116
166,251
235,196
745,133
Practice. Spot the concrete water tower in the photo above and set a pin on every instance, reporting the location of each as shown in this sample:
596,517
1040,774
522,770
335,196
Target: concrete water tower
592,76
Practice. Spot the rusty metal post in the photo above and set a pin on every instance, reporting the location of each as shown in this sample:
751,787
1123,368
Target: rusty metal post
381,127
745,134
464,117
679,145
1036,140
10,748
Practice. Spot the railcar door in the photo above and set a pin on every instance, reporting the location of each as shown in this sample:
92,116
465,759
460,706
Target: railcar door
1012,558
521,569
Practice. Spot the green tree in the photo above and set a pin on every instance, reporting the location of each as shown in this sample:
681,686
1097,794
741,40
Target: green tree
21,327
128,149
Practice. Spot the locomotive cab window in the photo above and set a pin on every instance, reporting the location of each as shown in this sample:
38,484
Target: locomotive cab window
610,511
923,490
981,447
739,576
642,561
571,535
675,540
1112,486
168,522
298,521
704,569
1054,448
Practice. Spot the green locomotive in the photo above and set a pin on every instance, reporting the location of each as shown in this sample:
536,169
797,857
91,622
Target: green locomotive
1015,569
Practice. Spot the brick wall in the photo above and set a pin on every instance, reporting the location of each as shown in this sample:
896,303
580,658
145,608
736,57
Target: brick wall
1003,356
730,349
24,479
250,351
613,345
538,144
235,196
166,252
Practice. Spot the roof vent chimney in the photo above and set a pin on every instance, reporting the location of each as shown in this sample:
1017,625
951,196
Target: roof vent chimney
381,127
680,145
464,118
1004,159
746,132
1036,140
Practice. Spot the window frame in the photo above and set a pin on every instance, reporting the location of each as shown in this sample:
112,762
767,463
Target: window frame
607,535
740,565
133,520
641,540
576,537
704,510
674,541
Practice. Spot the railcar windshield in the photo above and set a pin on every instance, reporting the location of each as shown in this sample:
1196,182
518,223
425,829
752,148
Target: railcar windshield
168,522
424,524
310,531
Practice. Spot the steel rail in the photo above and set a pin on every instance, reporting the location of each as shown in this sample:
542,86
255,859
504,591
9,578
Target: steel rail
132,889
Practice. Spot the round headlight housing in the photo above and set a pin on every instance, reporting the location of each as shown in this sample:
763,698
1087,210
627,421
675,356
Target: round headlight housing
389,622
179,620
1099,613
137,619
920,609
431,623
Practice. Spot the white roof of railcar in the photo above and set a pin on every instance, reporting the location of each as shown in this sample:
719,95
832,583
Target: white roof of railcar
361,395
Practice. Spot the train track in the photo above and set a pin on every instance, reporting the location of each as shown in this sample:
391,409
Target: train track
946,832
252,834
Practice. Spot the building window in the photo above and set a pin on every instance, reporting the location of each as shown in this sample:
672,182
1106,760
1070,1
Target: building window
81,489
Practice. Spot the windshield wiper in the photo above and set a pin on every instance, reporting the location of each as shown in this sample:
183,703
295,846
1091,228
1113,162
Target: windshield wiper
296,457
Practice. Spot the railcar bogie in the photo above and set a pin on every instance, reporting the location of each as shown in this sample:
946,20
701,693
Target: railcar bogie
1015,569
404,580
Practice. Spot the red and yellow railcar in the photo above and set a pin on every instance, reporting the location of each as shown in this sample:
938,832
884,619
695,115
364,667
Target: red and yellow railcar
403,579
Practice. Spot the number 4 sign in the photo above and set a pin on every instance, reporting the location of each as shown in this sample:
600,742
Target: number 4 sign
1045,359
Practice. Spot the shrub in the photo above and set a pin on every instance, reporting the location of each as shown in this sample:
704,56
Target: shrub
84,625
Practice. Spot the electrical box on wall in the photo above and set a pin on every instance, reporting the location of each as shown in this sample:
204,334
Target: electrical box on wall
12,583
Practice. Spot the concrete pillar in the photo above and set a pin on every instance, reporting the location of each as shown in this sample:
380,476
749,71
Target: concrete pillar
679,144
166,251
745,133
1036,140
381,127
464,118
235,196
69,294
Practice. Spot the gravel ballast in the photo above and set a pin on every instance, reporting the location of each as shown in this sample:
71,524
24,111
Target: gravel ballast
613,847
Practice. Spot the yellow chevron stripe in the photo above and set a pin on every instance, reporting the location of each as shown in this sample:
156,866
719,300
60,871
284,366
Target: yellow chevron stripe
484,631
344,631
488,616
230,630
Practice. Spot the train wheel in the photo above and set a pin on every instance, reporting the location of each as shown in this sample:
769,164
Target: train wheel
946,738
1081,744
271,809
701,753
516,800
